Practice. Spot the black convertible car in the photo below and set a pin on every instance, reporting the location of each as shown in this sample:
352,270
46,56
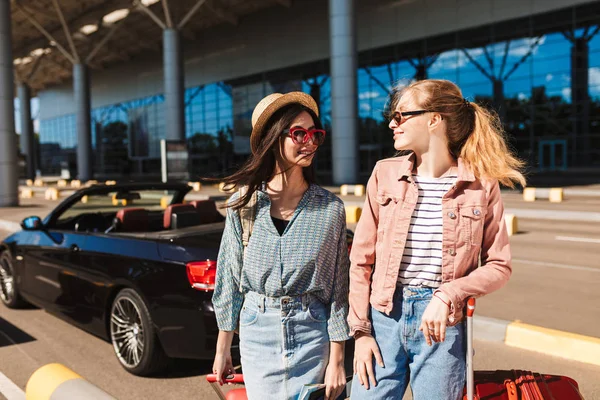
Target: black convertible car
132,263
117,263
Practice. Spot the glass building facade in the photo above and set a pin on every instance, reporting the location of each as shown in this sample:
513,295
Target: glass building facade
540,73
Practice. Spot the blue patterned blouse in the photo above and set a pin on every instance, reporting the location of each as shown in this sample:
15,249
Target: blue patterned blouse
310,257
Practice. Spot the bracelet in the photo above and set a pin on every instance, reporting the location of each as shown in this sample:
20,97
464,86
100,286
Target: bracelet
442,300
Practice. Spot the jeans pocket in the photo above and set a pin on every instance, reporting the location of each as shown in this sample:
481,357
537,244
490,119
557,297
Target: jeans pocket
248,316
317,312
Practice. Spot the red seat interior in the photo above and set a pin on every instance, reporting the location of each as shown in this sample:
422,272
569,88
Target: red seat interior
207,210
175,208
133,220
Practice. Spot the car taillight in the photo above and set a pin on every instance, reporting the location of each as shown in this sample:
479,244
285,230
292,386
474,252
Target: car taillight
202,274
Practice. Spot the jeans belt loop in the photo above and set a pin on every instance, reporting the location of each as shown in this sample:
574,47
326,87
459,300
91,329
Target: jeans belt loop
305,302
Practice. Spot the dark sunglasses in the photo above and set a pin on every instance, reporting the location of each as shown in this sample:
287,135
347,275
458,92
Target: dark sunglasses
399,117
302,136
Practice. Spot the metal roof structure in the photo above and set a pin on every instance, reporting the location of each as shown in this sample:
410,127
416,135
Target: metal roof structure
49,36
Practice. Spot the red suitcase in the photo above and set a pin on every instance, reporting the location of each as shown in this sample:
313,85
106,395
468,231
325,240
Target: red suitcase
513,384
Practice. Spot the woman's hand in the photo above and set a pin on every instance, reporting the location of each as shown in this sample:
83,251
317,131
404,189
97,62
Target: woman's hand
364,350
223,364
435,317
335,380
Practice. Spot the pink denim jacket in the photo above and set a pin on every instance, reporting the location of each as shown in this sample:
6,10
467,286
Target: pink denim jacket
473,223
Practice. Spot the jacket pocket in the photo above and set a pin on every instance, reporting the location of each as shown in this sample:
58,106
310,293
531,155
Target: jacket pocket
472,224
387,204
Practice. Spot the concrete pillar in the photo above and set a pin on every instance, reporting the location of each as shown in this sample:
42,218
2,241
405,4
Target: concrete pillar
174,94
344,99
9,195
27,139
81,88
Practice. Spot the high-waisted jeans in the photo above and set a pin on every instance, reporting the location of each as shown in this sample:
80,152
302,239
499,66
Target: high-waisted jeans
283,345
435,372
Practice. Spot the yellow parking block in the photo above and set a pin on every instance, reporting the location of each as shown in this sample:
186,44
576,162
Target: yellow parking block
353,214
85,199
52,194
196,186
223,189
76,184
357,190
38,183
110,183
164,202
61,183
29,182
55,381
46,379
556,195
511,224
529,194
27,193
553,342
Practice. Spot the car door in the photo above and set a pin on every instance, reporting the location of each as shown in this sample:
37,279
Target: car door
50,266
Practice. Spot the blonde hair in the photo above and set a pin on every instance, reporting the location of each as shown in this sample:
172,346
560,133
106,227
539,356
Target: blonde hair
474,133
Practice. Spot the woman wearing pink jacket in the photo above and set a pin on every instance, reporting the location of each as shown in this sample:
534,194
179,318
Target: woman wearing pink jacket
431,215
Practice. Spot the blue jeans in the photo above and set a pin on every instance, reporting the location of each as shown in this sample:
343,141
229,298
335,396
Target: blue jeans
284,345
435,372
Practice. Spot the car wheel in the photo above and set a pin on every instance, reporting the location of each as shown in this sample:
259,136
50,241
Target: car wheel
8,286
132,334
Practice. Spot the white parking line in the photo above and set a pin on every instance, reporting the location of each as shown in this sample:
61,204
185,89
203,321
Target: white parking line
577,239
554,265
9,390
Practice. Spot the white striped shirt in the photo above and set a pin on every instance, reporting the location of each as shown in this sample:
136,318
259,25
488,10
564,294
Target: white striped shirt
421,263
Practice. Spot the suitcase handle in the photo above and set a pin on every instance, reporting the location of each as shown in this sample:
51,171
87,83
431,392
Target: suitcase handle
232,378
470,374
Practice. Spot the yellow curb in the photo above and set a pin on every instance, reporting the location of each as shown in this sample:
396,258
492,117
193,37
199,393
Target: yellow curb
529,194
512,226
46,379
553,342
353,214
556,195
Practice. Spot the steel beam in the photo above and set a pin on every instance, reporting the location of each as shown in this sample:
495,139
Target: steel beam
165,5
68,35
44,32
149,12
190,13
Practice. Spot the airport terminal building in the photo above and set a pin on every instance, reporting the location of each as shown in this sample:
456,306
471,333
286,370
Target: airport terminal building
192,70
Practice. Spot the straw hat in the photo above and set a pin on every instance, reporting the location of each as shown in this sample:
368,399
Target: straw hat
269,105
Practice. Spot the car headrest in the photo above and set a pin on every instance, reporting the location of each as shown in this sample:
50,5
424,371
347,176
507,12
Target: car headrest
175,208
207,209
132,220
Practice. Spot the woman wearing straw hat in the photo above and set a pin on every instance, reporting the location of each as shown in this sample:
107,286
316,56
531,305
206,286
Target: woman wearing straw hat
286,289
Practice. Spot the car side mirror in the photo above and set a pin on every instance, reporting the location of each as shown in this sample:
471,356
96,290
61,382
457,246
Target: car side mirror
32,224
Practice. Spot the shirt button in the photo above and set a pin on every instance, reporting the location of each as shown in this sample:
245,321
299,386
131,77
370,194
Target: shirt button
451,252
451,215
477,212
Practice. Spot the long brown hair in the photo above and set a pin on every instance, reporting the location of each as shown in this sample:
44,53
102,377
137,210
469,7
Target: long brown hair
260,166
474,133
